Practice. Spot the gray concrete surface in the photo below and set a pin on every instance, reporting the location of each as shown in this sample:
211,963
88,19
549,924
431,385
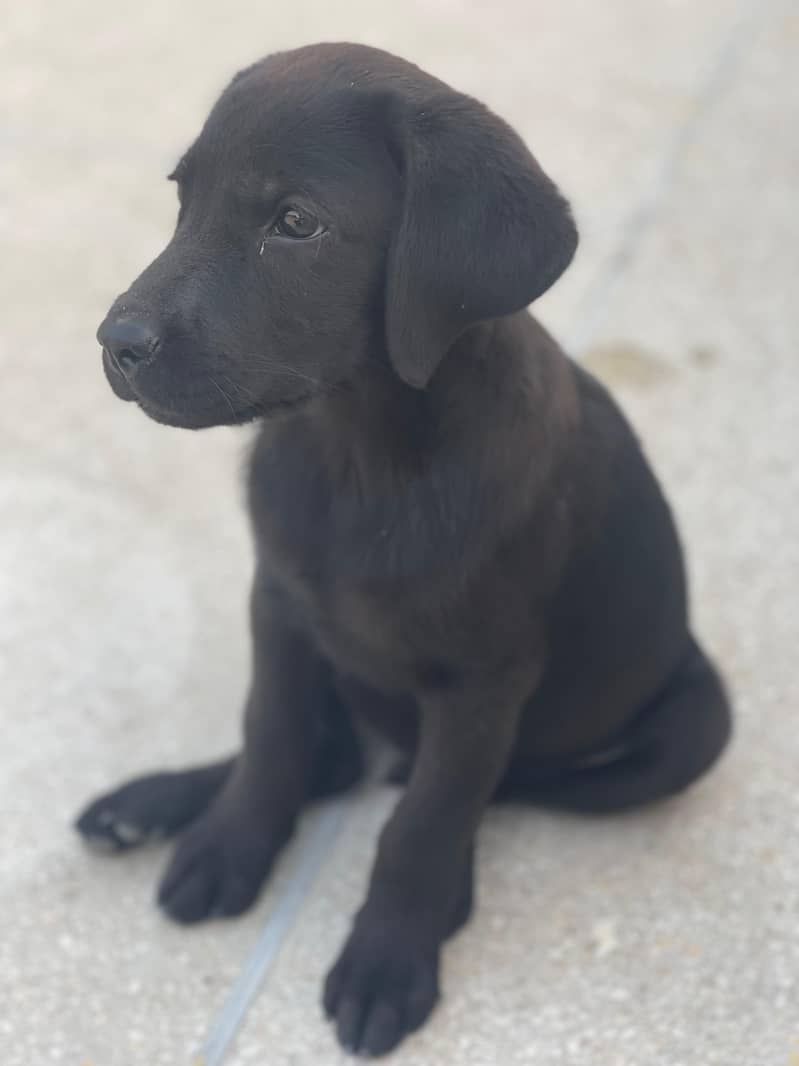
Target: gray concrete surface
666,938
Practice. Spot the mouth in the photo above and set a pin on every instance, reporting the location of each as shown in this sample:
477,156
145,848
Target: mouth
168,416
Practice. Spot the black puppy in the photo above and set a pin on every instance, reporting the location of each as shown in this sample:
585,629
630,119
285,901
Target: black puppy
458,537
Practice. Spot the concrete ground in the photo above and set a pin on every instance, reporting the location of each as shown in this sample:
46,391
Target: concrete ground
665,938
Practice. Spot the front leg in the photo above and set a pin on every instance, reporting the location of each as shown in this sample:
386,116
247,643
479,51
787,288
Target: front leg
385,983
221,862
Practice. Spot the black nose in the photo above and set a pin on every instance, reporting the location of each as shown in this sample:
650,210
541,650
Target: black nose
129,341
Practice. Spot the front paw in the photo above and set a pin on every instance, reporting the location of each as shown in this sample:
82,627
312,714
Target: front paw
383,987
218,869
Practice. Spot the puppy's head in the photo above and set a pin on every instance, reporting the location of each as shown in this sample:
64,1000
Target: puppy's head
338,207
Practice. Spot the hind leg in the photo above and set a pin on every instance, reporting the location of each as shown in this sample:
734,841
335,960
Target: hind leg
670,744
152,807
160,805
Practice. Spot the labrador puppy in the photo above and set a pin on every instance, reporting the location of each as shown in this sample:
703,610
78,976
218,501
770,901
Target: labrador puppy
458,538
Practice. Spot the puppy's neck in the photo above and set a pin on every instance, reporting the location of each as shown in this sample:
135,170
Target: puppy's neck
424,476
504,382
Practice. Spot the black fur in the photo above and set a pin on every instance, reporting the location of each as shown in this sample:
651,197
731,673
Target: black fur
458,537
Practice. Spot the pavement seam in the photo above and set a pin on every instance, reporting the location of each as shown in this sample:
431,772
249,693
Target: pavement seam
718,76
313,855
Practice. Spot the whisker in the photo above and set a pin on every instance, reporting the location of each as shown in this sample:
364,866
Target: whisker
280,368
227,398
251,398
323,388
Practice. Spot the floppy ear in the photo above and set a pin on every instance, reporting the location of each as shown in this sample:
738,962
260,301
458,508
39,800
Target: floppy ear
482,231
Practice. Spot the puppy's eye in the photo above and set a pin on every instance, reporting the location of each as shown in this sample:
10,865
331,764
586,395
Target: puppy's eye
299,224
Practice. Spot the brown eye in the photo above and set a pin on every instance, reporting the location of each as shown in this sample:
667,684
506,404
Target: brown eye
299,224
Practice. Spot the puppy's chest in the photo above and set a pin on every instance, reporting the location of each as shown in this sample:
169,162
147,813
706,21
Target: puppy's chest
362,623
308,529
348,567
319,521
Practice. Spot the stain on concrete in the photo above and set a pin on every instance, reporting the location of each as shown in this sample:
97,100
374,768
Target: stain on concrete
626,363
704,355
